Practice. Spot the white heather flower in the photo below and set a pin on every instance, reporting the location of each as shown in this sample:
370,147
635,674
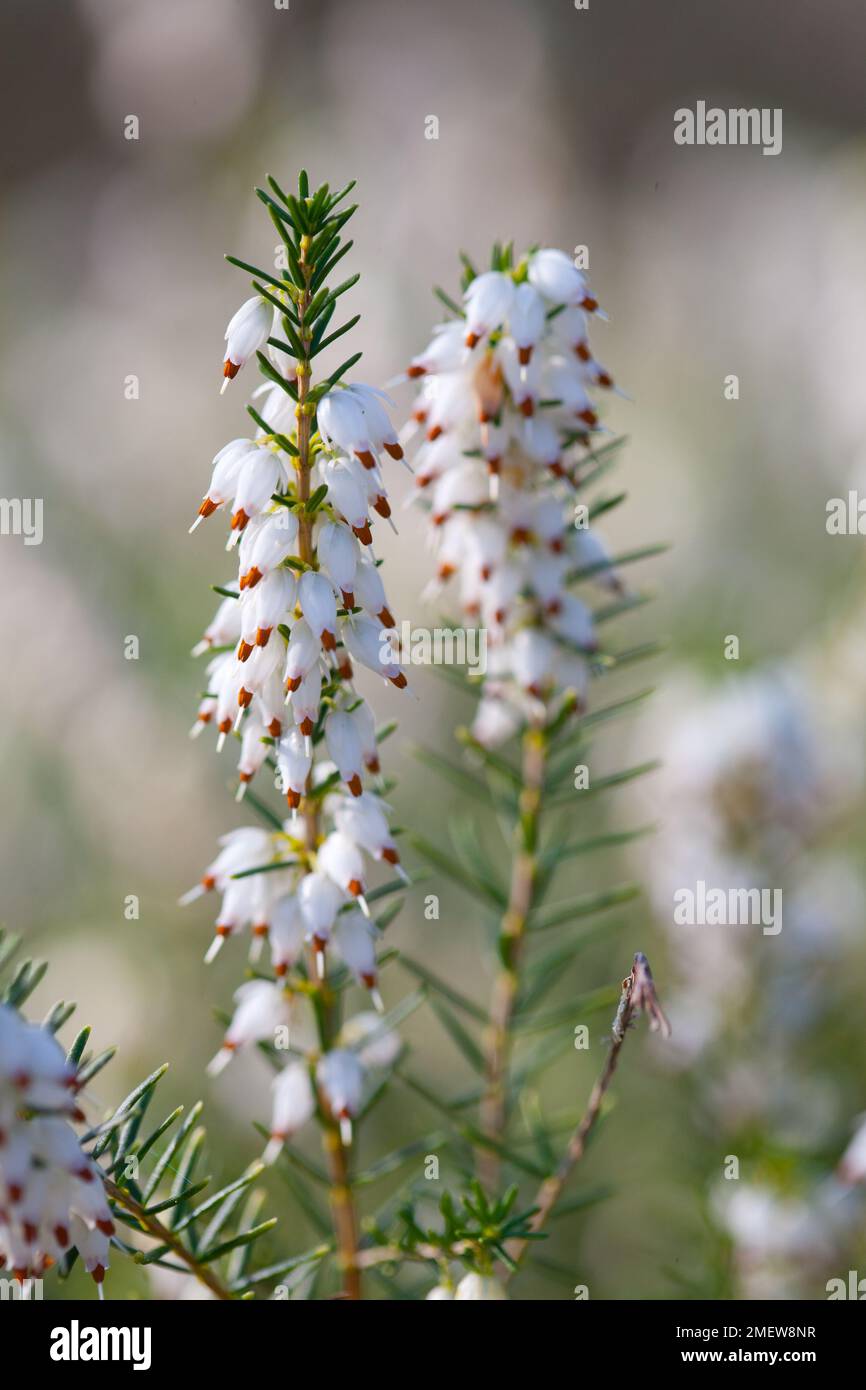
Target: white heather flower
261,475
527,320
509,419
306,697
302,572
355,938
294,1104
364,641
363,819
261,1009
226,468
51,1191
344,747
271,542
553,274
294,761
286,933
340,1077
247,332
223,629
347,496
338,552
319,607
339,857
488,302
319,899
370,593
480,1288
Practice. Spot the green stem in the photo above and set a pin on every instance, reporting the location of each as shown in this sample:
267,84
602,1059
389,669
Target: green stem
342,1199
512,932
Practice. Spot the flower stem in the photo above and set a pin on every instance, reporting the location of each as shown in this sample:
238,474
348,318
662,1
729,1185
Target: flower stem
494,1104
342,1201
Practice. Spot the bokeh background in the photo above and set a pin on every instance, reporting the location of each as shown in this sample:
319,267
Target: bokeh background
555,126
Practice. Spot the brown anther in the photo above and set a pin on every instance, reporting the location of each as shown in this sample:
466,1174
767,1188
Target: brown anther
364,534
355,887
434,432
381,506
583,352
471,339
344,666
354,784
369,980
395,450
260,929
589,304
293,683
399,680
275,728
251,578
372,763
527,407
208,507
493,465
368,459
239,520
106,1227
348,598
224,932
294,799
386,617
415,370
262,636
306,726
328,640
390,855
231,369
523,355
445,571
244,697
244,650
589,417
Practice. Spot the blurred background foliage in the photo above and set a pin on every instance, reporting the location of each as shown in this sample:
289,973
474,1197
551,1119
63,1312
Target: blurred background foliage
555,126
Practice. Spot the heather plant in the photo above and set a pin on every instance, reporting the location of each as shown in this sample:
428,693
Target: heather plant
306,887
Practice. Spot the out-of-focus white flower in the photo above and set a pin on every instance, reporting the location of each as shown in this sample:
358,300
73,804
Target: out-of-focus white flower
852,1165
261,1009
480,1287
505,418
51,1191
340,1076
294,1104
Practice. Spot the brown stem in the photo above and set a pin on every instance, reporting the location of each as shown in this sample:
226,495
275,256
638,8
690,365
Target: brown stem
638,995
494,1104
343,1211
164,1236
